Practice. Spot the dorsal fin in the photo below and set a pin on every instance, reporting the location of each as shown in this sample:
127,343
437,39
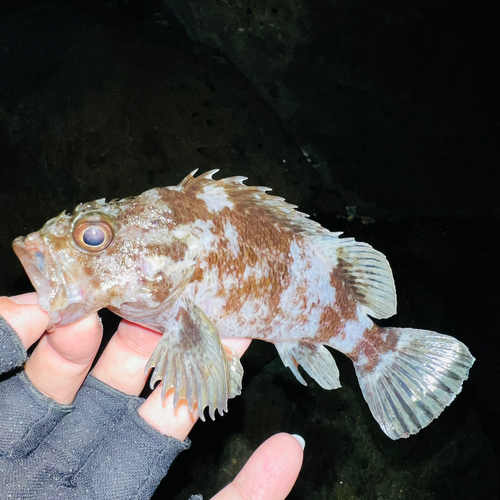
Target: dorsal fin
364,270
244,196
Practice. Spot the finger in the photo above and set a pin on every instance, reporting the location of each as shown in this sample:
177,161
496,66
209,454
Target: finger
25,316
122,363
270,472
177,422
25,298
62,358
165,418
239,345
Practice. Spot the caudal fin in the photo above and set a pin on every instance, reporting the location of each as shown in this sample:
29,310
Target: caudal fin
412,383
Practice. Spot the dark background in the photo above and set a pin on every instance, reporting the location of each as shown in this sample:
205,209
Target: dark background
389,108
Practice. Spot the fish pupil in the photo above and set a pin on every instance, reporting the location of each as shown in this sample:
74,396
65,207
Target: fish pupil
94,236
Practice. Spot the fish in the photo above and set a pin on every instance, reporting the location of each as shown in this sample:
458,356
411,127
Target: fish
210,259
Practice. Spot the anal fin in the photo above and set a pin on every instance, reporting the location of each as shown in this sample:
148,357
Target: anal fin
316,360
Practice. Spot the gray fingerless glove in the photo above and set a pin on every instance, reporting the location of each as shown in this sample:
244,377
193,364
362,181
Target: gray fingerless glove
97,448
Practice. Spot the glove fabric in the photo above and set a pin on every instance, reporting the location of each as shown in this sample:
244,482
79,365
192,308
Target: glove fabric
96,448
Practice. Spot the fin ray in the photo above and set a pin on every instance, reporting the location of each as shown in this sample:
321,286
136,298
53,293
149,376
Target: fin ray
411,385
235,371
316,360
365,271
277,207
193,361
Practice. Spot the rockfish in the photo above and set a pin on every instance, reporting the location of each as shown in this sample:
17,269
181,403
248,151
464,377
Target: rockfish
215,258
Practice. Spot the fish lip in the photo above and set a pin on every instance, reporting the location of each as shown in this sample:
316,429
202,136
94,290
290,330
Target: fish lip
26,247
59,293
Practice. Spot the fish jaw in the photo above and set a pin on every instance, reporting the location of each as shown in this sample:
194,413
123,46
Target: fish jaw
58,294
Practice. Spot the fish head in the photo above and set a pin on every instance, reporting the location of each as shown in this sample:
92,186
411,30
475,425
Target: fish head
124,253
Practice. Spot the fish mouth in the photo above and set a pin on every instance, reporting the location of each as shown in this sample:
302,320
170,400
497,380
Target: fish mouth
31,252
58,291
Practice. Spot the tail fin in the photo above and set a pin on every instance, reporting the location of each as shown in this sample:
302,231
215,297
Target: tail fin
413,383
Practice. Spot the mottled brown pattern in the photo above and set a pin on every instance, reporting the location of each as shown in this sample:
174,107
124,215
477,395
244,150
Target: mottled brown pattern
160,286
301,297
133,211
334,316
161,292
198,274
58,243
190,330
373,346
344,272
264,240
331,322
261,244
186,208
175,251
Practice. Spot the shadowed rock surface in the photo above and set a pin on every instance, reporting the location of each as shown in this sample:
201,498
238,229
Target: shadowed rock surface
384,107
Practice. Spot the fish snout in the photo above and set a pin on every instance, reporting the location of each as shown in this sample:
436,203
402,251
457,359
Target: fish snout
30,250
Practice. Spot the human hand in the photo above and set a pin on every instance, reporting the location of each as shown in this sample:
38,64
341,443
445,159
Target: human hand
62,359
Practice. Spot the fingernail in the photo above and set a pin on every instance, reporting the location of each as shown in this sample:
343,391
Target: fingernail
300,439
25,298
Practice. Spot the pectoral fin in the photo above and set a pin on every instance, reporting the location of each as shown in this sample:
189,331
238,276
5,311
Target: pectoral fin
314,358
191,358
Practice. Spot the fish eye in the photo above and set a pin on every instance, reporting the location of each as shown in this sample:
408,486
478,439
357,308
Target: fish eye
93,235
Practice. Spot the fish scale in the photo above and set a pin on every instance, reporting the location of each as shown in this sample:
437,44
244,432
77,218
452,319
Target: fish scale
216,258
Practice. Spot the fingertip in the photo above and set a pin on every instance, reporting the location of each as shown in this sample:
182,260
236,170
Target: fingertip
25,298
287,446
275,465
270,472
301,440
25,317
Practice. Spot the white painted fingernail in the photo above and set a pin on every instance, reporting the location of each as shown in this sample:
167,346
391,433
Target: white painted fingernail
300,439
